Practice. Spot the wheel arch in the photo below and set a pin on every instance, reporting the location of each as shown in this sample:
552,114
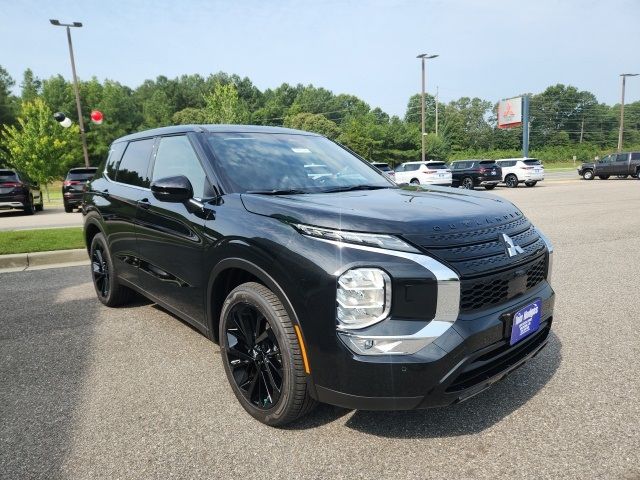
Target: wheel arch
227,275
91,229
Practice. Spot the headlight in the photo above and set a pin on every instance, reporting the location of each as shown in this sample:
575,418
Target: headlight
388,242
550,250
363,297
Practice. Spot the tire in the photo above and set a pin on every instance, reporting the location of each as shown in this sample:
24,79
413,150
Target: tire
489,187
40,206
29,208
587,174
531,184
467,183
256,369
603,177
104,276
622,177
68,208
511,181
415,181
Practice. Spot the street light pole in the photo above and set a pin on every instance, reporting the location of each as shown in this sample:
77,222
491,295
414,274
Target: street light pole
83,136
423,57
624,78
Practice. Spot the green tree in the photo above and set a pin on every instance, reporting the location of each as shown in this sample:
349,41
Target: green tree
223,105
30,86
313,122
7,100
38,146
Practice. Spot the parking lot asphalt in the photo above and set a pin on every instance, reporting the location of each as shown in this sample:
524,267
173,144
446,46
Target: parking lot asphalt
92,392
50,217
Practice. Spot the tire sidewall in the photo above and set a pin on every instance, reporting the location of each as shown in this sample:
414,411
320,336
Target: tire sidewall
511,181
99,239
467,185
243,294
588,175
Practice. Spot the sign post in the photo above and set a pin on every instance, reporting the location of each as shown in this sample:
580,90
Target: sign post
514,112
525,126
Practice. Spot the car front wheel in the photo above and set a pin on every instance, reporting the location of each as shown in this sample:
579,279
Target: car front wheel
489,187
262,356
587,174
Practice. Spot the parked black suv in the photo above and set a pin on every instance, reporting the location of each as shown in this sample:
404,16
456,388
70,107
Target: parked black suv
344,288
476,173
619,164
73,186
18,191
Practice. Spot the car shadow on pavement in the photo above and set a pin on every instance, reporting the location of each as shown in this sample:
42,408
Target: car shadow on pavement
472,416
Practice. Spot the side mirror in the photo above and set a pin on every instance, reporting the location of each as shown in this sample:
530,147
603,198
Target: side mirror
172,189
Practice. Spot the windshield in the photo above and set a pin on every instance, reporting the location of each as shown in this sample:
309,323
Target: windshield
285,163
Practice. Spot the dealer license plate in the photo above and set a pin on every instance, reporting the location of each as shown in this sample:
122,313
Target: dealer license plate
526,321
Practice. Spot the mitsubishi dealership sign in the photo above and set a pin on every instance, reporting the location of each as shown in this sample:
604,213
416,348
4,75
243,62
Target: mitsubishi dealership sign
510,113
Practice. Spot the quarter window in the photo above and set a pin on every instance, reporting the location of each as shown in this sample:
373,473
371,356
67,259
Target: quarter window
175,157
134,166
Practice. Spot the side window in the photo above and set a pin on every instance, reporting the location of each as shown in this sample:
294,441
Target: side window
635,156
176,156
115,154
622,157
411,167
134,166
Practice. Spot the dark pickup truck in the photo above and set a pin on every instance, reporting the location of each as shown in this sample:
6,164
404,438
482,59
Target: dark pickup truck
619,164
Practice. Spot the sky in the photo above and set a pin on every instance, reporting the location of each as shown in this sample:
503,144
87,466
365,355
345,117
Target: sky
491,49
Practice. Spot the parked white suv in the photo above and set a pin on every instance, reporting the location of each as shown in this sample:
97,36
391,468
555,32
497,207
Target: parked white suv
424,173
521,170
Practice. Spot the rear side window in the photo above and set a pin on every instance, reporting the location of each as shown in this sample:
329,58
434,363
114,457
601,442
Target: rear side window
635,156
410,167
175,157
8,176
115,154
134,166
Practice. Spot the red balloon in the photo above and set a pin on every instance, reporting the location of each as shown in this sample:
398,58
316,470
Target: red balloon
97,116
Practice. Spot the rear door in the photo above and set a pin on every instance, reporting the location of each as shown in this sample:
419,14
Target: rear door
128,169
170,235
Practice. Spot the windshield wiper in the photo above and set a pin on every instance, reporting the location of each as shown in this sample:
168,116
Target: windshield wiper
353,187
291,191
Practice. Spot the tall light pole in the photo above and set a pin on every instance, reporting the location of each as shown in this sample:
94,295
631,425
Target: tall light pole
423,57
624,77
75,85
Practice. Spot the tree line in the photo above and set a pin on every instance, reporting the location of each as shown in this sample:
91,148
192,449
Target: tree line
565,121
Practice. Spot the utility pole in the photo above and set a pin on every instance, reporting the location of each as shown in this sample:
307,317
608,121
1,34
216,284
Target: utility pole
83,136
620,133
437,88
423,57
581,129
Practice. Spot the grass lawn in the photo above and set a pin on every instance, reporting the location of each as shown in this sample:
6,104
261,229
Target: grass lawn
27,241
55,193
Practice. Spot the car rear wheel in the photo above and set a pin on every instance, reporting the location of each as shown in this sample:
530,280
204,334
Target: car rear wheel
68,208
105,280
262,356
29,207
511,181
587,174
415,181
40,206
467,182
531,184
622,177
603,177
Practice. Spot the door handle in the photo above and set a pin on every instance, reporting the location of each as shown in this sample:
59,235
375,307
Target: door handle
144,204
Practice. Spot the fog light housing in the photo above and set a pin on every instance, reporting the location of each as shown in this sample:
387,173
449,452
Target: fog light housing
363,298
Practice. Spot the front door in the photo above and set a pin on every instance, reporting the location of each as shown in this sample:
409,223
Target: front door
621,164
170,235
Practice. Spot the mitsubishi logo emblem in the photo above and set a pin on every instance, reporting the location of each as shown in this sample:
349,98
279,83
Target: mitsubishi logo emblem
511,248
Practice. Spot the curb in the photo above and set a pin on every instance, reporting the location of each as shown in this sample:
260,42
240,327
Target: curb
23,261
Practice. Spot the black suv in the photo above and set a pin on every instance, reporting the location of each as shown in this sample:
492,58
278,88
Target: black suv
619,164
343,288
18,191
476,173
73,186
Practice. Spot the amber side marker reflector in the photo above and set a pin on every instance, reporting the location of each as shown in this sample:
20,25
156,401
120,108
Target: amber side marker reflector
303,349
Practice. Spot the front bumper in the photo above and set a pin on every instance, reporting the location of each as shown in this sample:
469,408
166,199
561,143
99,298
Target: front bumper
468,358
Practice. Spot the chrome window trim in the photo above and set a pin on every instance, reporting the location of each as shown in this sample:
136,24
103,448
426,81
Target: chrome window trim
447,303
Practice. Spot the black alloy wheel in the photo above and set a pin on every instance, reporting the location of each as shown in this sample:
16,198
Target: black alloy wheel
100,271
29,207
253,353
511,181
467,182
263,355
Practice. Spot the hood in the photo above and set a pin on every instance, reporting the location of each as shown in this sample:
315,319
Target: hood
588,164
395,211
